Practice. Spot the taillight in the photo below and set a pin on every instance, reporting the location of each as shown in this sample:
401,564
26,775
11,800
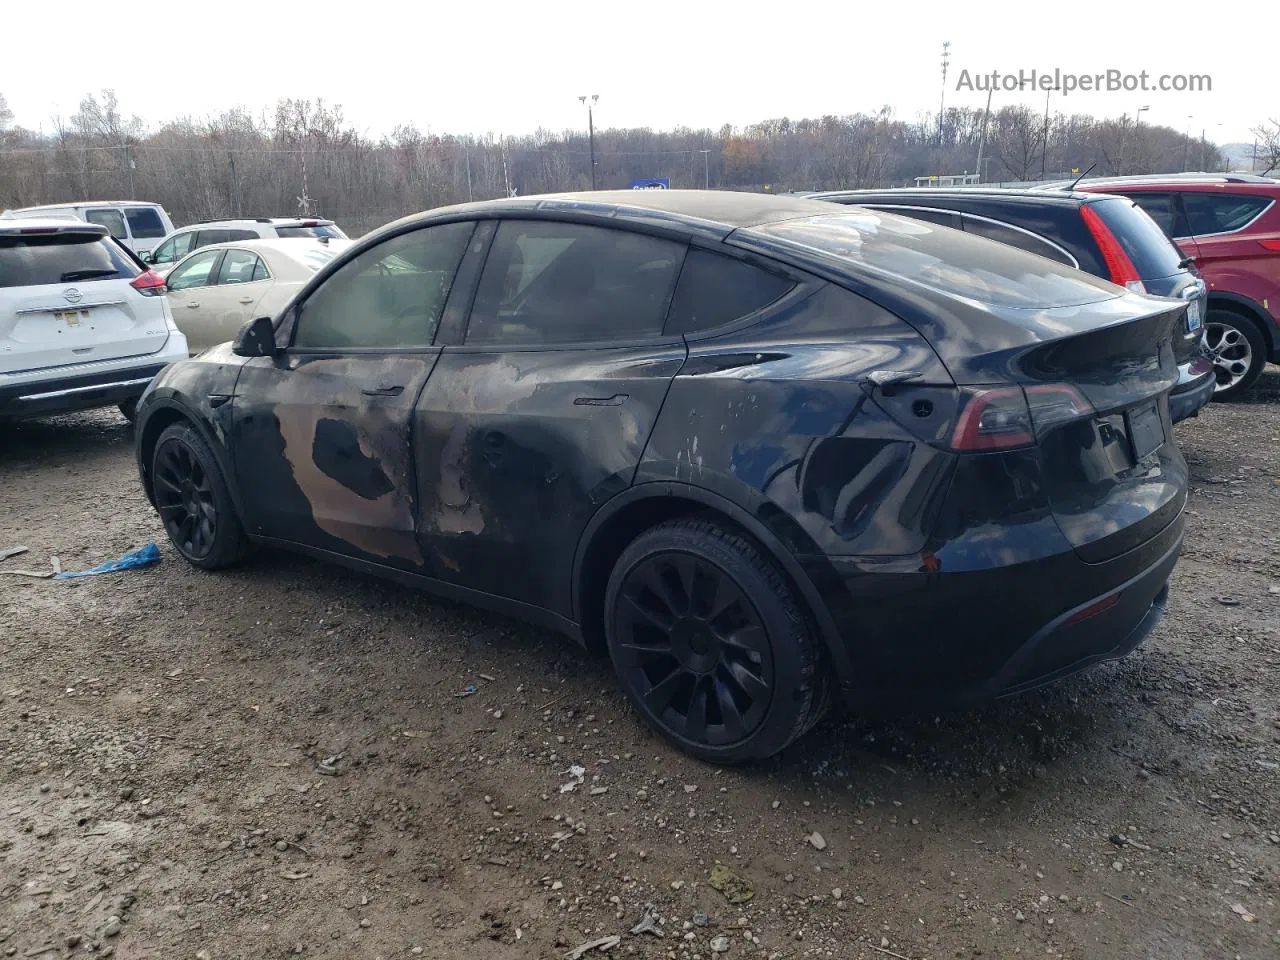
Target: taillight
1272,245
149,284
1005,418
1121,268
995,419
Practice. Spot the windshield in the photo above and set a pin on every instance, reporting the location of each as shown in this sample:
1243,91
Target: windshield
35,260
946,260
318,230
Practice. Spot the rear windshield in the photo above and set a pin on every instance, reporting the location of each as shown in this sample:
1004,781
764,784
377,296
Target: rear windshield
319,230
28,261
145,223
947,260
1153,254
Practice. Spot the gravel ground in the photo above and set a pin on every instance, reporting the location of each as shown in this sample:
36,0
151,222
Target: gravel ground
279,760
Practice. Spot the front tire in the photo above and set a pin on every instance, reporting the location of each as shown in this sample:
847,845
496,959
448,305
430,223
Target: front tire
711,643
193,500
1238,350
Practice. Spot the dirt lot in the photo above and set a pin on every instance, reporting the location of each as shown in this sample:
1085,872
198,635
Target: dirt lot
161,730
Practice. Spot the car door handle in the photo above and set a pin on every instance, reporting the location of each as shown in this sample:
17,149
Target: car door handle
617,400
192,304
389,391
246,300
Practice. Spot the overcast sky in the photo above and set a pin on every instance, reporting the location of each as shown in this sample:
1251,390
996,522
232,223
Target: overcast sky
511,67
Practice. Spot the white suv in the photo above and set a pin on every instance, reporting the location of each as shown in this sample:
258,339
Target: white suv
139,226
181,242
82,323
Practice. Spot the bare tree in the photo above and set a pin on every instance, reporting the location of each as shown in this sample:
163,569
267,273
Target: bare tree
1267,134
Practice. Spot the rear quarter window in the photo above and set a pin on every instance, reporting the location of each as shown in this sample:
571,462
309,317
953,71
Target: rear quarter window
144,223
1211,213
946,260
1153,254
61,258
714,290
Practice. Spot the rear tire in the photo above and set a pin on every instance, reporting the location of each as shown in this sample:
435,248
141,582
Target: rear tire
1238,349
194,501
711,643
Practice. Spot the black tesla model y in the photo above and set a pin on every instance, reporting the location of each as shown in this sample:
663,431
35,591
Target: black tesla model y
761,449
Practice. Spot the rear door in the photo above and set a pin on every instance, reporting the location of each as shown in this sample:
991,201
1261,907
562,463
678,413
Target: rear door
1217,222
241,281
191,298
322,431
541,414
65,298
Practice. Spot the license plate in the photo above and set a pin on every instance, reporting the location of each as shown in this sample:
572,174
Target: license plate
70,317
1146,430
1193,316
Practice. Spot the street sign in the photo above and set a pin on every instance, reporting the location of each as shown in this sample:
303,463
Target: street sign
655,183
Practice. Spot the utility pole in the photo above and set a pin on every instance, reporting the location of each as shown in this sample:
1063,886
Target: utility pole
1044,147
591,133
470,195
982,136
706,166
1186,140
1137,138
942,107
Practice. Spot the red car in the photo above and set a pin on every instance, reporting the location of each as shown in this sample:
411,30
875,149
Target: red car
1229,225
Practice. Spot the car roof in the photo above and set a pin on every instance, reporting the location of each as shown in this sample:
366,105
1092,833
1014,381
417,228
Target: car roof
1266,189
908,194
87,203
269,221
286,244
716,212
44,225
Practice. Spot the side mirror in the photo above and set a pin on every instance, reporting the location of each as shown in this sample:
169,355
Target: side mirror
257,338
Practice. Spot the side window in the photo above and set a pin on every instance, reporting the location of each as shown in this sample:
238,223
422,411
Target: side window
714,290
175,249
546,282
110,218
207,237
260,271
240,266
194,273
943,218
390,296
1221,213
144,223
1014,238
238,235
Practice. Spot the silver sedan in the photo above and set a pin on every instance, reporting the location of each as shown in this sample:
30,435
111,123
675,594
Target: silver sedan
216,289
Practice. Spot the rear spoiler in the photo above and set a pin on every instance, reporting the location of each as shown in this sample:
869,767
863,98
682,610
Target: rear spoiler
47,229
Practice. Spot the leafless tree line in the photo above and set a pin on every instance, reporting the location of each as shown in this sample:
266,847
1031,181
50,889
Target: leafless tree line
306,158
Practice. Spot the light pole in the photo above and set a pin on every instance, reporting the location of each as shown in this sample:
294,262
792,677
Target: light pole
1137,134
1044,148
1186,140
942,108
982,136
591,134
706,169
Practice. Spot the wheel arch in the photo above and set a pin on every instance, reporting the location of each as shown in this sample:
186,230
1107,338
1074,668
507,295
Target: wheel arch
165,413
1251,310
640,507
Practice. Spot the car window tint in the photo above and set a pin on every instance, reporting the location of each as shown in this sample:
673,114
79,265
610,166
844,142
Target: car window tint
144,222
714,290
110,218
236,235
390,296
238,266
207,237
1221,213
1014,238
35,260
547,282
194,272
1153,254
1164,210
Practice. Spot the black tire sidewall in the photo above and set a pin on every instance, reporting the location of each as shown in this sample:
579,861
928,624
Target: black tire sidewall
1257,345
228,536
795,683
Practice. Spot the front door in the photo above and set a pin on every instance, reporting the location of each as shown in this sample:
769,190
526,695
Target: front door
322,444
543,412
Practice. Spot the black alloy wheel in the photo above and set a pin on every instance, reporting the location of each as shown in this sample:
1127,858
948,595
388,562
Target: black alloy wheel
710,644
192,499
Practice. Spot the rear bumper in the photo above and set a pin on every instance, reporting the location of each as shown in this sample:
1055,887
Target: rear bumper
1194,390
922,638
79,392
